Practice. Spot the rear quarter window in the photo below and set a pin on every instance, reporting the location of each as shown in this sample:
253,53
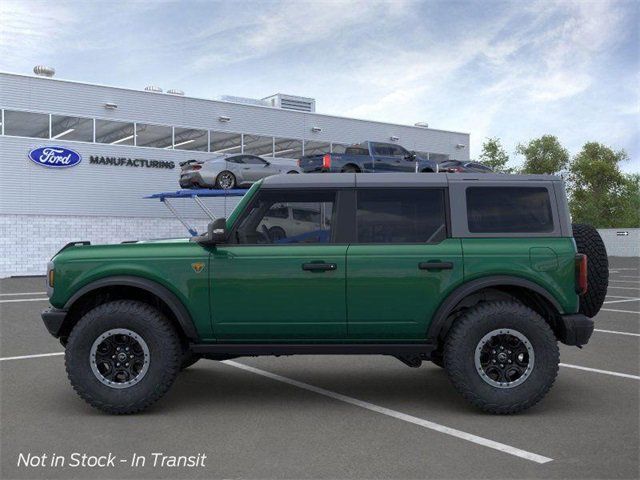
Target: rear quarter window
509,210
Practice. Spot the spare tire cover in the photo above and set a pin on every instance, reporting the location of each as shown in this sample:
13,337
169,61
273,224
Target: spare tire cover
589,242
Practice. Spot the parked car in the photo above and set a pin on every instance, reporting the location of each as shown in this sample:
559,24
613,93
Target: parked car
368,157
230,171
459,166
480,274
288,224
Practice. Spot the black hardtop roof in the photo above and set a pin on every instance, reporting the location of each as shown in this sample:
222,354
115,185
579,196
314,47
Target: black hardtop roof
345,180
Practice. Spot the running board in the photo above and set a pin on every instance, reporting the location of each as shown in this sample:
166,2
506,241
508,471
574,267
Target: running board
255,349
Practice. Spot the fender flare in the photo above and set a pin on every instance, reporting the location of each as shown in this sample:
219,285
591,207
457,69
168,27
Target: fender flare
173,302
440,317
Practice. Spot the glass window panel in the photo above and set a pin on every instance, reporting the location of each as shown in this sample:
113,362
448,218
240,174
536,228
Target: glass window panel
190,139
72,128
316,148
288,148
509,210
113,132
158,136
285,217
400,216
26,124
224,142
258,145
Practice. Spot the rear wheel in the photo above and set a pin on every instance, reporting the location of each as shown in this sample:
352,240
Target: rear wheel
225,180
589,242
501,356
350,169
122,356
277,233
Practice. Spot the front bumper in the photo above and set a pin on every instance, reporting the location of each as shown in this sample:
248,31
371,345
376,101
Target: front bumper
53,319
575,329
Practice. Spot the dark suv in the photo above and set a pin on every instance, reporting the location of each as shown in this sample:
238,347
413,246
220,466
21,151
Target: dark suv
481,274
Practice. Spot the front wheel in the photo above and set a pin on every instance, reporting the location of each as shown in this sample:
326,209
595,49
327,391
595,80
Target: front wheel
122,356
501,356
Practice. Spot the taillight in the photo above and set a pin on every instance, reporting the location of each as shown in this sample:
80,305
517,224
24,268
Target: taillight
326,161
196,167
581,274
298,162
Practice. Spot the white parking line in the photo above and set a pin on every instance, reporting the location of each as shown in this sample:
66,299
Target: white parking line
21,293
616,332
616,296
623,269
624,281
485,442
624,288
596,370
629,276
24,357
24,300
619,311
625,300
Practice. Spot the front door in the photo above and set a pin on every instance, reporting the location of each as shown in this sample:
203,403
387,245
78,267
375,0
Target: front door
281,280
402,265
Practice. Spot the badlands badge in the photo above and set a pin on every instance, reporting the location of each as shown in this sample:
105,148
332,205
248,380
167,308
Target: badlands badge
197,267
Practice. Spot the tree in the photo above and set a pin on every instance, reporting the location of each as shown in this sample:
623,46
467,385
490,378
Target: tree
544,155
601,194
494,156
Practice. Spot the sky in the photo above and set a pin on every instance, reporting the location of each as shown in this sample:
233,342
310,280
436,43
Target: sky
514,70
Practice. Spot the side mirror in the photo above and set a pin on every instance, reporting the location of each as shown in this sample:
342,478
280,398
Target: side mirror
267,163
216,233
410,156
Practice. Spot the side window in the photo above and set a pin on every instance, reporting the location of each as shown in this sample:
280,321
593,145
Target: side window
414,215
251,160
509,210
398,151
268,221
234,160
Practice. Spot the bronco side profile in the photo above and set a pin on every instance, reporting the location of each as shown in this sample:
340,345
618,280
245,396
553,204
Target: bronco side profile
482,274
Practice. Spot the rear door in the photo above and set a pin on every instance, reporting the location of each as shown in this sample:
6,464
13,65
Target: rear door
402,264
280,280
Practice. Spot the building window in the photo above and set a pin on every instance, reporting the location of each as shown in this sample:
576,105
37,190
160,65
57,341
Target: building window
316,148
398,216
509,210
26,124
114,133
72,128
226,143
190,139
258,145
158,136
287,148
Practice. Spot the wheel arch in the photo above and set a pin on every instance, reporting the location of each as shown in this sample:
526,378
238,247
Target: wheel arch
131,287
354,165
492,288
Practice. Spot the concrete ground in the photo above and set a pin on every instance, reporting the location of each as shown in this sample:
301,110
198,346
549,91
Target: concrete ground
326,417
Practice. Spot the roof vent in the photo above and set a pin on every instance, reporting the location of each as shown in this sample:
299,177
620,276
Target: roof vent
292,102
422,124
175,91
153,88
44,71
243,100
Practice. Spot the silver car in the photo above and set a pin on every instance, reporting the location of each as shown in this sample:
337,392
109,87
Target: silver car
230,171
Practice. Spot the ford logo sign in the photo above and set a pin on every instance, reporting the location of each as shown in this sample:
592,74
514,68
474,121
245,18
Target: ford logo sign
55,157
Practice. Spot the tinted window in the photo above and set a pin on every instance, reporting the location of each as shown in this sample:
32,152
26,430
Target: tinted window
26,124
356,151
401,216
267,221
509,210
157,136
190,139
72,128
253,160
114,133
235,159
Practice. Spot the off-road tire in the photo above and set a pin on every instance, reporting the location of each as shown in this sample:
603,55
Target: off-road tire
589,242
165,355
464,337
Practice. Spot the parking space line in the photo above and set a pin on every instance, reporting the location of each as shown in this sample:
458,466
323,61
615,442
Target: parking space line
617,296
24,300
21,293
624,281
485,442
596,370
624,288
619,311
625,300
24,357
635,269
628,276
616,332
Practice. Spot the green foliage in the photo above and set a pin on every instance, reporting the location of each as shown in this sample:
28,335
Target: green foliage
544,155
601,194
494,156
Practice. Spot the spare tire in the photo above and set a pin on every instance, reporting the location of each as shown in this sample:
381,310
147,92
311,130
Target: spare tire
589,242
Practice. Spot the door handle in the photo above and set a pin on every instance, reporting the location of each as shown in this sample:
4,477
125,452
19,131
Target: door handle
435,265
319,267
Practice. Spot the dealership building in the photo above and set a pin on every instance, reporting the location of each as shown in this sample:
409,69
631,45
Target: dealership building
128,144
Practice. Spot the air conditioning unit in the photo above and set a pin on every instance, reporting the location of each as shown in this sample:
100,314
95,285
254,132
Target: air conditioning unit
291,102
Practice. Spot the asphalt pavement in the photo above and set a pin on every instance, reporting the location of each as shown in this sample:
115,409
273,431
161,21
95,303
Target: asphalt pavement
322,416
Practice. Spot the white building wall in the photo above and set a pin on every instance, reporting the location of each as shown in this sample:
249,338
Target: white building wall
620,245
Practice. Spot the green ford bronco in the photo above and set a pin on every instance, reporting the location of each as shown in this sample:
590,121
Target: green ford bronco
480,274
